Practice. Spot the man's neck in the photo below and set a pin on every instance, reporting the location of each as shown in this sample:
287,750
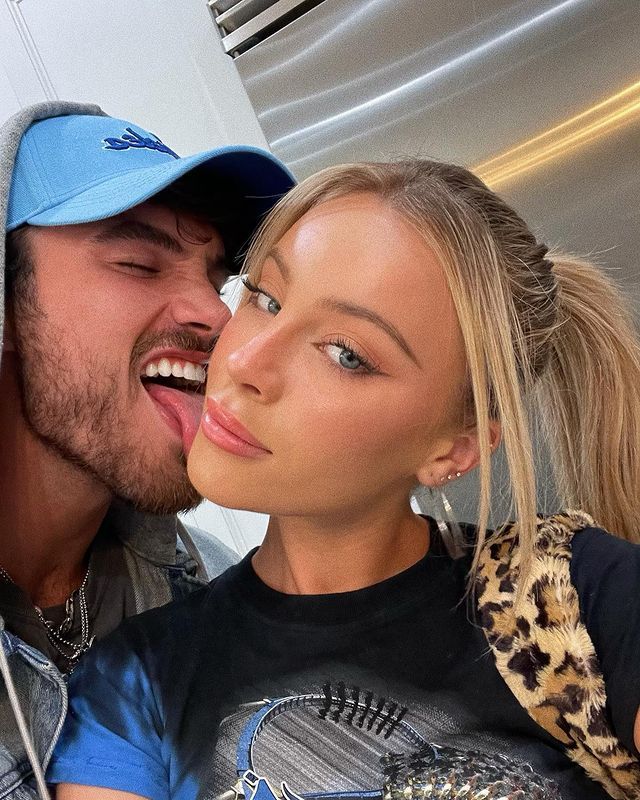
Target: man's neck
50,513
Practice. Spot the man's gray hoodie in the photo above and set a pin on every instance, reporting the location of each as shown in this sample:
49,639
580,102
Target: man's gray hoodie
164,559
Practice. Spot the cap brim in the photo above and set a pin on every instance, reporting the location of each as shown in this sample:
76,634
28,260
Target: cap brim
259,177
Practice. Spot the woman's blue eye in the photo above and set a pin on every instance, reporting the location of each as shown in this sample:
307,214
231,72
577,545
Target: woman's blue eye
349,359
260,299
271,305
344,356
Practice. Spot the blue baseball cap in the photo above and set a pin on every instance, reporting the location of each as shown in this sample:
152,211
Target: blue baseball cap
82,168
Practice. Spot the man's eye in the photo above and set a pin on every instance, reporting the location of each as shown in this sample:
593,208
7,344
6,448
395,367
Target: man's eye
260,299
140,268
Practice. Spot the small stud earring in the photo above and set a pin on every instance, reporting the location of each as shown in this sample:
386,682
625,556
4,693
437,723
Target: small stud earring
450,477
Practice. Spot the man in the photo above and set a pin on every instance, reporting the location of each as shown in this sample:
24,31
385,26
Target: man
116,253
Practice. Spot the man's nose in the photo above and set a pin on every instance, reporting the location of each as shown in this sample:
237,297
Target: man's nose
196,304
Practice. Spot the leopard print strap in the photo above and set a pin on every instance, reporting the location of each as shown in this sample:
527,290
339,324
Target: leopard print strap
544,652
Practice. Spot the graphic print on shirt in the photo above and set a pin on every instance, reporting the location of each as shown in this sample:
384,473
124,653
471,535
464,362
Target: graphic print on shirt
345,743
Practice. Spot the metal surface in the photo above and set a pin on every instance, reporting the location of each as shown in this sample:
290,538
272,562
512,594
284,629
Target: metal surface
468,82
247,22
543,98
232,15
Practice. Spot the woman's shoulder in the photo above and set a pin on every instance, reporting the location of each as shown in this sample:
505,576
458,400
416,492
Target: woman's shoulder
574,633
596,549
570,534
605,571
576,574
161,633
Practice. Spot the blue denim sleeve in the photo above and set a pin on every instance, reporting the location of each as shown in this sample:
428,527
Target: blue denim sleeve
112,734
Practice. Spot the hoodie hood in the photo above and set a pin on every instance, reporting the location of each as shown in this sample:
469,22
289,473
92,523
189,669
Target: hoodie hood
11,134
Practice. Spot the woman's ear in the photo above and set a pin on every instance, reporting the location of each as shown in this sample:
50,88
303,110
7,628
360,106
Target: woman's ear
457,457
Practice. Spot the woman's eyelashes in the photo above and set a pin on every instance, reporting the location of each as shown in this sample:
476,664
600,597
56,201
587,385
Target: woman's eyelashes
259,298
340,353
347,358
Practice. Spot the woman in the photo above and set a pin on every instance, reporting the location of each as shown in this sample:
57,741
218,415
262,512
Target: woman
398,321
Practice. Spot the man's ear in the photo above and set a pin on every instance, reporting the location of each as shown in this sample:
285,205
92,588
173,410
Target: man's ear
460,455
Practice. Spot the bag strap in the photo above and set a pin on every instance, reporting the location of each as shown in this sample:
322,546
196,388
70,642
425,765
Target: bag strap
544,652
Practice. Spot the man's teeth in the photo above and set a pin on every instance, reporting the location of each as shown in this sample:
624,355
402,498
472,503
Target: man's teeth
179,369
190,371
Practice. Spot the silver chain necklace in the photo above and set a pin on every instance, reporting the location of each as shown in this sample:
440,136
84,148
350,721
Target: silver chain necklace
71,651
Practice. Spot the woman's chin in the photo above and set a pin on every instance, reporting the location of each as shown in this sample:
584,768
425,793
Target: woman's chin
215,478
204,468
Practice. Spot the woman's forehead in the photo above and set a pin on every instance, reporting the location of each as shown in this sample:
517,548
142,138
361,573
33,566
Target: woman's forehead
359,249
361,239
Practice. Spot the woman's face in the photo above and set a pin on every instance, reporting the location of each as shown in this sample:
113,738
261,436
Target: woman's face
344,363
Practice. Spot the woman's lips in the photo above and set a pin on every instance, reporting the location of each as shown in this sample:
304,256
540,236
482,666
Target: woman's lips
225,431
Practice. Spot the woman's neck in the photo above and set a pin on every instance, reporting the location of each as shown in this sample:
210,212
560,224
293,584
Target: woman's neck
311,556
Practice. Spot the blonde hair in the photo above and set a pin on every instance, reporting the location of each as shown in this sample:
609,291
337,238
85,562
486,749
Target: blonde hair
539,329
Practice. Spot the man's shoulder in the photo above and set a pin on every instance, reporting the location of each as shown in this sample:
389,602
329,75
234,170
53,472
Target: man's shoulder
157,633
156,538
214,554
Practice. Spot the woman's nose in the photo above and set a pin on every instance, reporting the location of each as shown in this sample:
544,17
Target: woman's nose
257,365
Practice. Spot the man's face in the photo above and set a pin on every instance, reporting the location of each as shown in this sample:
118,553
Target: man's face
110,308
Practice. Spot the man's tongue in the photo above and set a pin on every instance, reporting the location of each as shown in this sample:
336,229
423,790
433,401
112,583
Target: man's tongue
181,410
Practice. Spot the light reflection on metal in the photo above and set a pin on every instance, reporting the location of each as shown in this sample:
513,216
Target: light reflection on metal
422,80
364,9
598,120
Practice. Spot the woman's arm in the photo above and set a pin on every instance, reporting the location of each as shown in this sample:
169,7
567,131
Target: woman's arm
110,748
636,730
74,791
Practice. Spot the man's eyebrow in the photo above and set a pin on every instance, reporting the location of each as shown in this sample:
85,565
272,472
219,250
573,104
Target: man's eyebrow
135,230
361,312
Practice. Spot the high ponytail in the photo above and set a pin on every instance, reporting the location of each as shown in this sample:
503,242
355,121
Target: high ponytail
533,327
589,398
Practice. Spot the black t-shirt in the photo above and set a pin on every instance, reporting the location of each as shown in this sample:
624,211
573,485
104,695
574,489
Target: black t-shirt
169,706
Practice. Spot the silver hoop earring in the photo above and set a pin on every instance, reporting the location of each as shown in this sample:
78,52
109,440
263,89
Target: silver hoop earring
440,507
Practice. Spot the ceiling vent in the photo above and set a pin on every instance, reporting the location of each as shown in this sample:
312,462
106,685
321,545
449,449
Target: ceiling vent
245,23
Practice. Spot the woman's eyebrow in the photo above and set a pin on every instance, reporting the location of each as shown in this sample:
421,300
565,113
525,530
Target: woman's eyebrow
342,307
133,230
275,255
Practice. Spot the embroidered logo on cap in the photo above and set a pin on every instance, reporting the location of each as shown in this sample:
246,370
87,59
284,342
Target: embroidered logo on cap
132,138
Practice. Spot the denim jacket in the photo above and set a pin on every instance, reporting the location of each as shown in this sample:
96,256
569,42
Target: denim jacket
165,561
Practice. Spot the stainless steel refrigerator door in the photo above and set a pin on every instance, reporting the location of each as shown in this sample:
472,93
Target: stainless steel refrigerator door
542,97
469,81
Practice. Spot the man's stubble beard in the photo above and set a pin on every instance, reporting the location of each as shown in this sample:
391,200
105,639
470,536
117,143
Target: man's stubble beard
79,414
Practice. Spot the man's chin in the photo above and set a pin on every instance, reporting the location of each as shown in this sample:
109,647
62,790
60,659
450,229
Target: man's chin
167,494
161,504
